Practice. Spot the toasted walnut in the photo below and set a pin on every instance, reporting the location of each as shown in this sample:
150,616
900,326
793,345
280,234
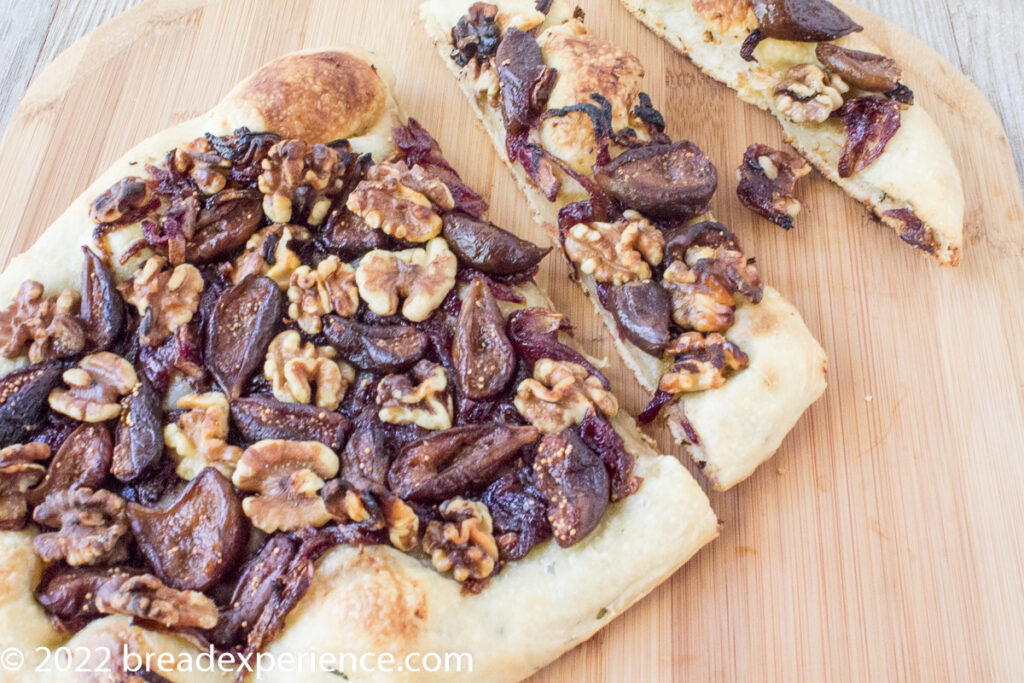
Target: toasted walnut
808,93
269,252
287,476
146,597
385,510
166,298
92,525
126,195
616,252
701,362
96,388
401,201
203,164
295,174
560,394
426,403
700,301
767,178
463,543
49,326
403,523
199,438
423,277
19,472
331,288
292,367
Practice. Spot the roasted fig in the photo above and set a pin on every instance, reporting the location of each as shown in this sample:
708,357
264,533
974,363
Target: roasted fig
456,460
23,400
68,594
573,480
198,539
808,21
870,123
240,329
526,82
863,70
674,180
262,417
381,348
520,517
534,335
82,461
365,460
488,248
484,358
228,220
348,236
643,312
102,308
139,439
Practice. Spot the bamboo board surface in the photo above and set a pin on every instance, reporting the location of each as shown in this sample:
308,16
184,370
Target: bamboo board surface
884,541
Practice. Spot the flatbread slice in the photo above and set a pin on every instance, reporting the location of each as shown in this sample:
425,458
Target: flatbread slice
728,430
913,187
360,598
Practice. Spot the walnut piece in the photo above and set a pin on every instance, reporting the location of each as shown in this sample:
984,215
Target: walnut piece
166,298
126,195
423,277
19,472
92,525
701,362
700,301
808,93
425,403
330,288
560,394
269,252
295,174
203,164
287,477
463,543
95,388
767,178
49,326
616,252
146,597
199,438
292,367
401,201
349,504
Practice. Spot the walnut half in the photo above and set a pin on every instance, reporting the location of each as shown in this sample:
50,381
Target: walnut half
292,368
146,597
808,93
426,403
701,363
464,542
560,394
423,277
616,252
287,477
95,388
330,288
19,471
166,298
91,527
199,438
401,201
49,326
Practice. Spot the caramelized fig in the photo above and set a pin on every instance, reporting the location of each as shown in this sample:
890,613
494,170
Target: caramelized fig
262,417
808,21
102,308
674,180
381,348
23,400
228,220
82,461
139,439
870,124
240,329
456,460
365,460
488,248
534,335
348,236
484,358
526,82
575,483
199,538
68,594
643,311
863,70
520,517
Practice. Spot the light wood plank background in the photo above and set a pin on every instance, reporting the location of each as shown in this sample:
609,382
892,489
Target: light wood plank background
884,542
981,38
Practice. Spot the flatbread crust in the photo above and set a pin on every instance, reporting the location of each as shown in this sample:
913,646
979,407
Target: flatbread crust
787,365
915,172
376,599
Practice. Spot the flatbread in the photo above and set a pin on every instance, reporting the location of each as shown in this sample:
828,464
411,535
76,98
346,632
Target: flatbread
787,365
376,599
915,172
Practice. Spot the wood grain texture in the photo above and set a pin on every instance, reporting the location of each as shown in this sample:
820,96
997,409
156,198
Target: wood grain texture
885,540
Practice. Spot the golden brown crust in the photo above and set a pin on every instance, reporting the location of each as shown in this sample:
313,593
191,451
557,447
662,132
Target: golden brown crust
726,15
318,96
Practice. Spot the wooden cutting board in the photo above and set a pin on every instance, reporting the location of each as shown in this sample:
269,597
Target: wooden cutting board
884,541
